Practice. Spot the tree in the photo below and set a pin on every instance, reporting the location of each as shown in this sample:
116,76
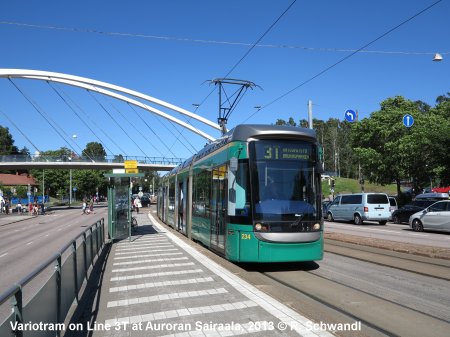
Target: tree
388,151
94,151
6,142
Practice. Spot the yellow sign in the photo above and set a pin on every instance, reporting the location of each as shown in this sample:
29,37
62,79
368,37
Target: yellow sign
130,164
132,170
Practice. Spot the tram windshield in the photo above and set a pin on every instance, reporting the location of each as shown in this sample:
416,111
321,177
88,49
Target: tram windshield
285,186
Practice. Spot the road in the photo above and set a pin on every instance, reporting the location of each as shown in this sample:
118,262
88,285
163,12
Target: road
390,232
26,244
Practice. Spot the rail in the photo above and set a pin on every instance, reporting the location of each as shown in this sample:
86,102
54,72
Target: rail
19,158
46,311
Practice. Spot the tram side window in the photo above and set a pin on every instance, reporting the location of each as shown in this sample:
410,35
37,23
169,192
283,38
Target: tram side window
201,194
172,196
239,204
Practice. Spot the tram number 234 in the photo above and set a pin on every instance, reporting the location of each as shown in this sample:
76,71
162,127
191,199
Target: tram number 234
245,236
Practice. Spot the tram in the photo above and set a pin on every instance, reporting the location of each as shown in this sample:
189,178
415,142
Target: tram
253,195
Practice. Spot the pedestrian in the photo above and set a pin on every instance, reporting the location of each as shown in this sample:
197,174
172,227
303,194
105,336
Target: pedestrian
30,208
84,206
19,208
137,204
91,206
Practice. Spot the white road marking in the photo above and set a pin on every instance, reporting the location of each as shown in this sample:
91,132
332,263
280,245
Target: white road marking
133,287
166,297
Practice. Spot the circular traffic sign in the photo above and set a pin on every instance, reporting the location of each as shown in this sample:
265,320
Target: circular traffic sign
350,116
408,120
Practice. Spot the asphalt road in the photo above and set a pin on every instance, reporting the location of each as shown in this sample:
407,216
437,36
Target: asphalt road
26,244
391,232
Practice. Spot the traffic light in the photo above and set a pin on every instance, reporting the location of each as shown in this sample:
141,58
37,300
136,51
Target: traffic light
361,181
332,183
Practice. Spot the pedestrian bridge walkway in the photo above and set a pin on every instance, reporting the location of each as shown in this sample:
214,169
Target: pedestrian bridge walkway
158,284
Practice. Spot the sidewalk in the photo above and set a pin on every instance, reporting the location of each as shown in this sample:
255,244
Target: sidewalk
158,285
6,219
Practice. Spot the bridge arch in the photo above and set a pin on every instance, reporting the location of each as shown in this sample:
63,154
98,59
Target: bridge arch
99,86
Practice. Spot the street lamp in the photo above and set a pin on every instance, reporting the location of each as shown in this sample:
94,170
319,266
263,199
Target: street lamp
437,57
74,136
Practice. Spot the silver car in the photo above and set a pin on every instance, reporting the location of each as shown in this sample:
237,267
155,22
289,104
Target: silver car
435,217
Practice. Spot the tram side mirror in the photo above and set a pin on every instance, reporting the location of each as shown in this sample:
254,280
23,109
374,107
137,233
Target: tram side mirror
232,195
233,164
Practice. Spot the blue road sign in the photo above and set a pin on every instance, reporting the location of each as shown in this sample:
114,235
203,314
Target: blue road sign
408,120
350,116
74,189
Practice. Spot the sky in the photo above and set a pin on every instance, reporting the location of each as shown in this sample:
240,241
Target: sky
172,49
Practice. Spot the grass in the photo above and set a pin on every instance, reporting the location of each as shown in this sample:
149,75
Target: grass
345,185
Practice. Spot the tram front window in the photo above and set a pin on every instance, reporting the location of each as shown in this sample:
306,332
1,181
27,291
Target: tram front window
284,185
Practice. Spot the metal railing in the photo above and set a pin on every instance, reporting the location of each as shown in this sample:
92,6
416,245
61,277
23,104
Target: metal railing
46,311
107,159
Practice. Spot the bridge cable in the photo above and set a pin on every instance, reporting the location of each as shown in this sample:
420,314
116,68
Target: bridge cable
42,113
117,123
156,134
74,111
18,129
134,127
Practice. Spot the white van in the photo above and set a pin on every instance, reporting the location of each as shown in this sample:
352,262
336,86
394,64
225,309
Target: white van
360,207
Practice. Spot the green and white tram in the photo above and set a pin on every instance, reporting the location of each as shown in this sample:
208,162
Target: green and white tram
253,195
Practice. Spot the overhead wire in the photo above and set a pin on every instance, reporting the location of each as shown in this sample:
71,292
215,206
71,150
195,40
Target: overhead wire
204,41
252,47
344,58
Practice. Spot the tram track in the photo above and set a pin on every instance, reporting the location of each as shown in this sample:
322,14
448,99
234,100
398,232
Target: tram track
379,314
322,291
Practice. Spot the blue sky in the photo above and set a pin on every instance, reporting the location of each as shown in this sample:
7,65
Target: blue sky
170,49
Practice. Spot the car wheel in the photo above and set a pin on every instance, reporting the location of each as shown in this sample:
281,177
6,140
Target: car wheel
417,225
330,217
357,220
395,219
382,223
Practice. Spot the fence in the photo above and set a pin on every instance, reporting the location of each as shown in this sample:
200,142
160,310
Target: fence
46,311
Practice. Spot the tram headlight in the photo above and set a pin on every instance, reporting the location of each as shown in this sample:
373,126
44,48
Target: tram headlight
261,227
316,226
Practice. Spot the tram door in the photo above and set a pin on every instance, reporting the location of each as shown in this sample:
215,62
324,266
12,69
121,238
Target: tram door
219,204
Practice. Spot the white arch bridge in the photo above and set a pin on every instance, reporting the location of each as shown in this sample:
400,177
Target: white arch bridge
123,94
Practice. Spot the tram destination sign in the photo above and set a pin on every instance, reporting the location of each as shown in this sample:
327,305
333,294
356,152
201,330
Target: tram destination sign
283,151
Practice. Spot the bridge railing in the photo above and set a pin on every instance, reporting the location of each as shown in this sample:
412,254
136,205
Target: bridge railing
66,271
107,159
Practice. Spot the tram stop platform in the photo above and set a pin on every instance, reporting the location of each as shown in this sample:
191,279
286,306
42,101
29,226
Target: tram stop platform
156,284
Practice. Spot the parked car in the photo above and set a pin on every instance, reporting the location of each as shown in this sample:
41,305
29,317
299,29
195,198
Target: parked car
325,205
394,205
432,196
360,207
403,213
434,217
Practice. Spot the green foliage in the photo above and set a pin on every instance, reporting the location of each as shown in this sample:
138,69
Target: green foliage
383,150
346,185
94,151
6,142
